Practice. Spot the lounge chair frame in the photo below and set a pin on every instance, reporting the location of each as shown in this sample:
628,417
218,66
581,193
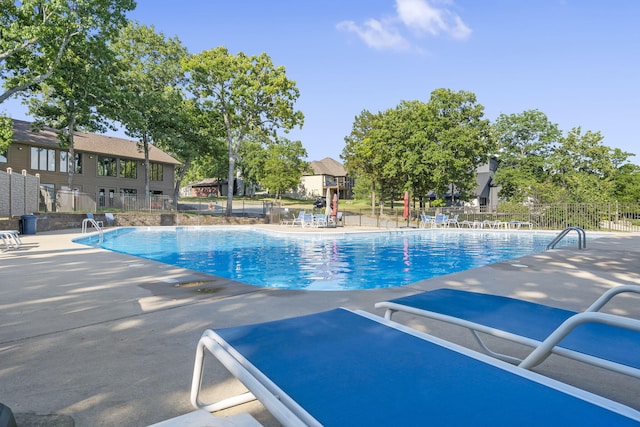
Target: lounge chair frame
287,411
299,219
542,348
11,239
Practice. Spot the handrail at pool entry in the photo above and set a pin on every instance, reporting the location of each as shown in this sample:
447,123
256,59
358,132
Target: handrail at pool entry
582,237
92,222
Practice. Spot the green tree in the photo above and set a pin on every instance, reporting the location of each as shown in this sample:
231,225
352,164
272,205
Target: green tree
188,136
148,87
584,168
248,94
420,146
455,139
358,152
626,187
386,141
276,166
36,34
252,155
69,98
525,143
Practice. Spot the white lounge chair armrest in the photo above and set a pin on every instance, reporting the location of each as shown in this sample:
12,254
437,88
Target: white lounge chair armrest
541,352
607,296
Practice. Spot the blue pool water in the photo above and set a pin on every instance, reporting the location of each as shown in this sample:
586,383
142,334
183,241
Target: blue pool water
331,261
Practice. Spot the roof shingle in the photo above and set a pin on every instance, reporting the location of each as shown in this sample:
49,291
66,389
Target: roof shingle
90,143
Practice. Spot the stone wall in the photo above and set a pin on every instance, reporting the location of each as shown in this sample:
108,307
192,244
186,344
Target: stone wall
65,221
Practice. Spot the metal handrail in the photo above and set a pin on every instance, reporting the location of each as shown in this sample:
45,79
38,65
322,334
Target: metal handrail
582,237
90,221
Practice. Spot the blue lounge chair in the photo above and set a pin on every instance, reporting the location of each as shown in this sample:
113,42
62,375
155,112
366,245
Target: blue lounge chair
340,368
605,340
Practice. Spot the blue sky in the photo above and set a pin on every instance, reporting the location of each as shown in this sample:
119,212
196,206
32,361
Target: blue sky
577,61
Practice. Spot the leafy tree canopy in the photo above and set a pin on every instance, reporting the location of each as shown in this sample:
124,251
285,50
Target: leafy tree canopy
247,95
148,88
36,35
421,146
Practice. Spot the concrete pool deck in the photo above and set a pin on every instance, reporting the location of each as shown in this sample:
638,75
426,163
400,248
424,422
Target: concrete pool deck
105,339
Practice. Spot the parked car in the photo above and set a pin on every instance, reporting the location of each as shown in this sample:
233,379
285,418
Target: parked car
320,202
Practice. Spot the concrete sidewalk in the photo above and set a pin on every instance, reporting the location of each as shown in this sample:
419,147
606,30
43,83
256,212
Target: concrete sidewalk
104,339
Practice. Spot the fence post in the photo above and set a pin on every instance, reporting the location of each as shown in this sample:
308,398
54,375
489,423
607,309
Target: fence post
9,171
24,191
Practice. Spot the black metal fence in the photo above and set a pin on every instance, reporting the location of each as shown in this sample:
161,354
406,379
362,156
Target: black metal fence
73,201
595,216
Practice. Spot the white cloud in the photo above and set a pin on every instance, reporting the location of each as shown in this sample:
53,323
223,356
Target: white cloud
420,17
376,34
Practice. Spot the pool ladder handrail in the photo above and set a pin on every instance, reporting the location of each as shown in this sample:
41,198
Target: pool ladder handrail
582,237
93,223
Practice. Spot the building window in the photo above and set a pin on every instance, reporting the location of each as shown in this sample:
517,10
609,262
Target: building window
43,159
130,191
107,166
3,156
156,172
64,162
78,162
128,168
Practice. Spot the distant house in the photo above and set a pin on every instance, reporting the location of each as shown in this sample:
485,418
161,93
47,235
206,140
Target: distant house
486,191
105,166
327,173
486,194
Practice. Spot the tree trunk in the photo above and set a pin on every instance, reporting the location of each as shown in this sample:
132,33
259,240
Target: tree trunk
373,198
145,145
71,159
179,179
230,179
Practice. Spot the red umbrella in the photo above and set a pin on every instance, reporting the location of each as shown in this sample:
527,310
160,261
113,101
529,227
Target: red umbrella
405,214
334,212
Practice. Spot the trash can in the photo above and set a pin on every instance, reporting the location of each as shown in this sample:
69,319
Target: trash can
6,417
29,224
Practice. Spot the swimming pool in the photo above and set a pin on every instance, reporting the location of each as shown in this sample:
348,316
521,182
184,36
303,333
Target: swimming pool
322,261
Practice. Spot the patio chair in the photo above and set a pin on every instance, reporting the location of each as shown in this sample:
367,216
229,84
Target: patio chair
488,223
441,220
518,224
307,220
425,220
320,221
605,340
341,367
90,216
298,219
110,219
334,220
454,221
